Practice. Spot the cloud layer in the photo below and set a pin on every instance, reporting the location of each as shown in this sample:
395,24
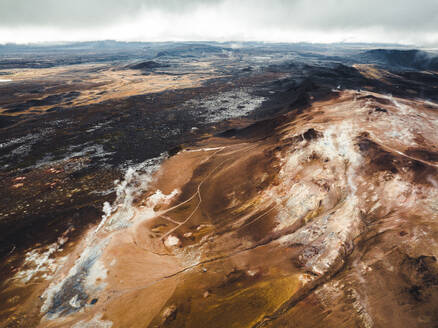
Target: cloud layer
401,21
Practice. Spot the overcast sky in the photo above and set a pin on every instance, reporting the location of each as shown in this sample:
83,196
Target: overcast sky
391,21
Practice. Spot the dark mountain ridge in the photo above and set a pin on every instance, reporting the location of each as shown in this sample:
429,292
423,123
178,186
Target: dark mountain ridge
407,59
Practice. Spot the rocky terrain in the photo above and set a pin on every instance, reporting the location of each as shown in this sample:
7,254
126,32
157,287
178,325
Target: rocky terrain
216,185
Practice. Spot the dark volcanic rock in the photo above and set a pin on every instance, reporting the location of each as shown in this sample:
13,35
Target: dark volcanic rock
46,101
147,65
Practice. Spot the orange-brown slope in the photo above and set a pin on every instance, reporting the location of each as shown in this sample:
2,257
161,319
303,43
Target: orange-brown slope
330,221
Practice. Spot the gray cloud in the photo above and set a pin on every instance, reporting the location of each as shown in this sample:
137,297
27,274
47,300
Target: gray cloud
389,20
64,14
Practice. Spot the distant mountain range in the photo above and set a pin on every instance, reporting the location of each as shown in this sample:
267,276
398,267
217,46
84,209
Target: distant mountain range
50,55
413,59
